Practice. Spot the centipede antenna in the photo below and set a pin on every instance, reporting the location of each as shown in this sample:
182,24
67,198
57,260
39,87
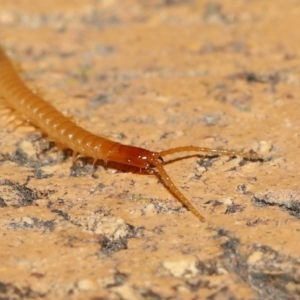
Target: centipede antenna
169,184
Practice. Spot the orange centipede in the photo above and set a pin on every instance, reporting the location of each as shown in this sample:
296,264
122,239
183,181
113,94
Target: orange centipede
59,128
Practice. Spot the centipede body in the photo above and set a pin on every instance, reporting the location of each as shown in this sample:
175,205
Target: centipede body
59,128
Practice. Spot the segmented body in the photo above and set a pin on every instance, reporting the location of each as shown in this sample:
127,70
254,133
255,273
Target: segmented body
62,130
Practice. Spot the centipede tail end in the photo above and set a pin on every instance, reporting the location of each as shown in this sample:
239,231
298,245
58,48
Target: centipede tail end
251,155
172,187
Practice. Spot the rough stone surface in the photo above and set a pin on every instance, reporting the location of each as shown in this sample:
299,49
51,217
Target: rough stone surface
154,74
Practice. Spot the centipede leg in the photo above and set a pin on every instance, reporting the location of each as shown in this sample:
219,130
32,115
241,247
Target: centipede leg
75,157
15,123
4,110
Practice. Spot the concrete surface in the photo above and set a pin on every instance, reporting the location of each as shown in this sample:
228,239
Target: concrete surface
155,74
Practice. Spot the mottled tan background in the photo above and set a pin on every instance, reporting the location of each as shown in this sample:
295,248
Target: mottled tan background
155,74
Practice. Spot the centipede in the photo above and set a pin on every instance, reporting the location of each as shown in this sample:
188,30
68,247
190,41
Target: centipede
19,98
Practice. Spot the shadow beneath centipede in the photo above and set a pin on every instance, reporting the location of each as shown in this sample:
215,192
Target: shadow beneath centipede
85,166
207,160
